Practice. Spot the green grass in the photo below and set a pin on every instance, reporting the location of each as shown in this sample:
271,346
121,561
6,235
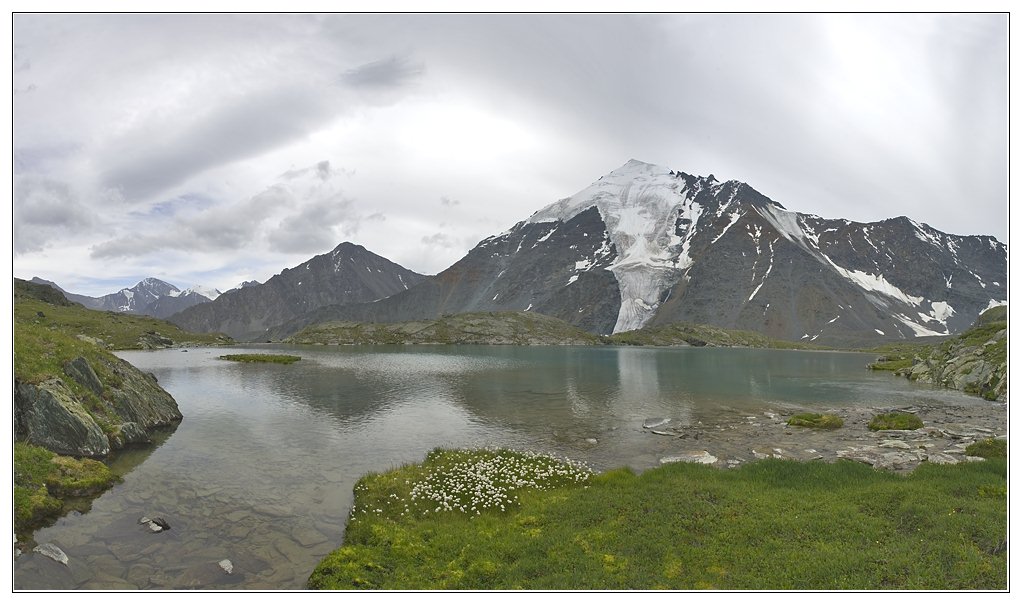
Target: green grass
264,358
815,420
990,448
771,524
42,479
895,420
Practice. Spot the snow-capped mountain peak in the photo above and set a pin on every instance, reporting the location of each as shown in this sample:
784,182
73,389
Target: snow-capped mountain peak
206,291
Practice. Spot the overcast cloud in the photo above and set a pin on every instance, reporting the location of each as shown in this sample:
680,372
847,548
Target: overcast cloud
211,149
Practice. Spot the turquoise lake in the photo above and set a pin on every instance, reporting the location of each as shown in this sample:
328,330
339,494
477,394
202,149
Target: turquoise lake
261,469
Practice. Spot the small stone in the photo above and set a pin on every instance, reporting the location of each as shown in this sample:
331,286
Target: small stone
53,552
226,565
693,456
591,440
655,422
895,444
154,524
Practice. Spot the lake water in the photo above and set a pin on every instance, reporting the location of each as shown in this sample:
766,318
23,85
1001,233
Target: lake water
261,469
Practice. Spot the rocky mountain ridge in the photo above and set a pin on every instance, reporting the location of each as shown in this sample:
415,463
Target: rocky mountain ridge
347,274
646,246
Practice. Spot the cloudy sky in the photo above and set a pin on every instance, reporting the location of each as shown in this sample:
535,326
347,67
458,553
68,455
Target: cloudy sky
212,149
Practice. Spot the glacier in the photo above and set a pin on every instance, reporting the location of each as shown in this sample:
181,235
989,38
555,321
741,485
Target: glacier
640,204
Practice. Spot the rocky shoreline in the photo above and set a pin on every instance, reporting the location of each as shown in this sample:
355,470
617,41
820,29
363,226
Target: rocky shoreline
947,431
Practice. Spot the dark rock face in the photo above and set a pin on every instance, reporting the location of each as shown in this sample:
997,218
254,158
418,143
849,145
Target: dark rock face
165,307
138,399
83,374
645,246
348,274
52,416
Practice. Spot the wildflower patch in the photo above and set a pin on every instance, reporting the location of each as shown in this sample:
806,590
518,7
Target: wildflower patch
468,482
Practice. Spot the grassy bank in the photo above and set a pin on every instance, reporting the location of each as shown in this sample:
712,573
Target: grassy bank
772,524
43,479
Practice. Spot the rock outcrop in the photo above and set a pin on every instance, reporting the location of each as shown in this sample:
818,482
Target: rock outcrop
975,362
975,368
82,416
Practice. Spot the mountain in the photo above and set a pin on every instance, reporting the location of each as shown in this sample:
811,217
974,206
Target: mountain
242,285
347,274
166,306
648,246
150,297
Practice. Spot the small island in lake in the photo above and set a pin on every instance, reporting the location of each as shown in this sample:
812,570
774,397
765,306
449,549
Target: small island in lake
271,358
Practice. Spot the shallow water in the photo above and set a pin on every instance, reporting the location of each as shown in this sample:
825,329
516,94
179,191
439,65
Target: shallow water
261,469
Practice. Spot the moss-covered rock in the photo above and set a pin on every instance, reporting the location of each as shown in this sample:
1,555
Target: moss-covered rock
815,420
49,415
895,420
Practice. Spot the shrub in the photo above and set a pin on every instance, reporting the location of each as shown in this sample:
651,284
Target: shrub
815,421
895,420
990,448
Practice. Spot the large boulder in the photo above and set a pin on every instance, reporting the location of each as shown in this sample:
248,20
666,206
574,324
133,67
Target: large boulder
49,415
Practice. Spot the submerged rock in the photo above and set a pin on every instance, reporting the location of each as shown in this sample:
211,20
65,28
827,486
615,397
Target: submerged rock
155,524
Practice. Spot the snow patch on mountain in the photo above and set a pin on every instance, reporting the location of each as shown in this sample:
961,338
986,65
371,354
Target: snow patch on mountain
993,303
206,291
874,283
918,330
941,311
732,219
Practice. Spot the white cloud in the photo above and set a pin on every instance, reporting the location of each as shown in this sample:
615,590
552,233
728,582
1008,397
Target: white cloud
241,144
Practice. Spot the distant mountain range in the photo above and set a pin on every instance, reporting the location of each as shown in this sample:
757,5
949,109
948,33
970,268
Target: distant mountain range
150,297
643,246
648,246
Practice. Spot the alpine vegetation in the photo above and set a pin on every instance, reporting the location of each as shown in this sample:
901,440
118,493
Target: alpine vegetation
471,482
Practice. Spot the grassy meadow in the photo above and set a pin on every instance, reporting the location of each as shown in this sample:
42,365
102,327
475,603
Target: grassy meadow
771,524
